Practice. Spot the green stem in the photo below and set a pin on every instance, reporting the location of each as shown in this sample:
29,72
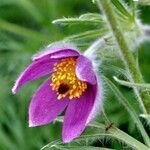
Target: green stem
129,84
129,109
128,59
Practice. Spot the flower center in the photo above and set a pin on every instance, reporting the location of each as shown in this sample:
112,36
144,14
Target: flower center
65,81
63,88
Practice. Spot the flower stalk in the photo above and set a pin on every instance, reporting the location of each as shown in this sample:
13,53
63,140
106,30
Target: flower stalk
127,57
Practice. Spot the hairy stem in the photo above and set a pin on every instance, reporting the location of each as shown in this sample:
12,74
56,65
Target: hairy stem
129,109
112,132
116,133
128,59
145,86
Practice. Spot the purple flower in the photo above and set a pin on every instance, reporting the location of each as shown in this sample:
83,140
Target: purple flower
73,85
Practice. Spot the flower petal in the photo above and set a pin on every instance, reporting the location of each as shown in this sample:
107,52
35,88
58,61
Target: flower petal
98,101
45,106
34,71
57,50
84,70
77,114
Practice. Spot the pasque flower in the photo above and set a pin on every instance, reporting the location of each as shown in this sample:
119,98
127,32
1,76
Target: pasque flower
72,85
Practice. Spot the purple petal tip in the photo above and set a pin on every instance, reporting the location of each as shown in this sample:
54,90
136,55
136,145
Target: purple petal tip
13,90
85,70
66,141
57,50
31,124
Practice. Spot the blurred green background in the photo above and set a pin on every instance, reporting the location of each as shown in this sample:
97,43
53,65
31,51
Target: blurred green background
25,28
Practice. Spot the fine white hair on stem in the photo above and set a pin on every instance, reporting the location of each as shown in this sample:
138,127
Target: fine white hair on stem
145,30
98,44
91,51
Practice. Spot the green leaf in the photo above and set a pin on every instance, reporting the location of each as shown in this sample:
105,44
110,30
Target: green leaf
112,132
144,2
57,144
86,35
6,141
121,8
22,31
52,144
88,18
116,133
144,86
31,9
129,109
145,116
27,5
80,148
91,16
7,2
117,70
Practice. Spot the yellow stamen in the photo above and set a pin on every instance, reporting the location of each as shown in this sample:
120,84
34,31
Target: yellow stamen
65,81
